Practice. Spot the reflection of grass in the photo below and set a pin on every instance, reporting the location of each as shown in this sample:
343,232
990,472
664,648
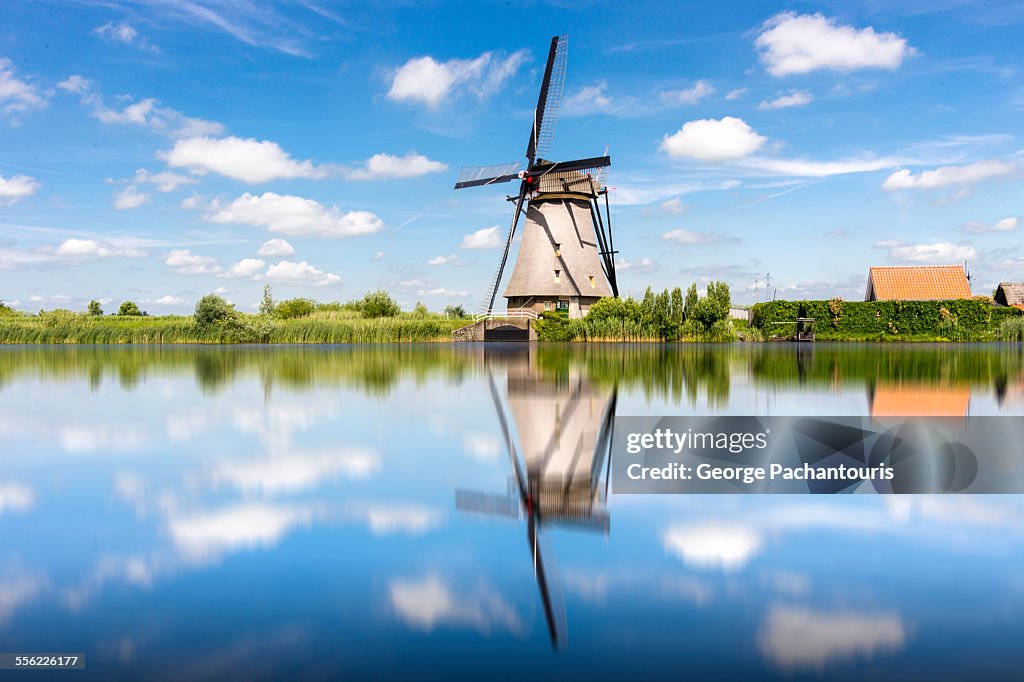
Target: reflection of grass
320,328
670,371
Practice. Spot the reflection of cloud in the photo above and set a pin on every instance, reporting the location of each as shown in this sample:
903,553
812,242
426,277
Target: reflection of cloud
427,603
799,638
952,510
788,582
16,497
401,519
15,592
300,471
82,438
713,545
242,526
482,447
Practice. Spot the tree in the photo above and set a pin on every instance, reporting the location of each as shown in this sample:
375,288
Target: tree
129,308
379,304
691,301
420,310
267,304
718,292
94,308
212,309
676,306
454,312
295,307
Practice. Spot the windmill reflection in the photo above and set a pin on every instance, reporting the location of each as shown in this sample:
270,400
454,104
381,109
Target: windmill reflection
564,424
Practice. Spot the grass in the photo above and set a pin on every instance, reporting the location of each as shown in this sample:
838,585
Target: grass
328,327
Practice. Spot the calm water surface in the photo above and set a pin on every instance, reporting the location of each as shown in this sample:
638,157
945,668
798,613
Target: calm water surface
352,512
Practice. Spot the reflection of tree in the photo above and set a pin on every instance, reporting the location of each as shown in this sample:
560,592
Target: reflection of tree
672,372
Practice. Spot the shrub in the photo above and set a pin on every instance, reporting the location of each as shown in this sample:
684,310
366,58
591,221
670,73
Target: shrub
295,308
212,309
455,312
94,308
6,309
129,308
420,310
1012,329
379,304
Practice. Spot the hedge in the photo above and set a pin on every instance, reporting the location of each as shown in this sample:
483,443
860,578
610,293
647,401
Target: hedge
956,320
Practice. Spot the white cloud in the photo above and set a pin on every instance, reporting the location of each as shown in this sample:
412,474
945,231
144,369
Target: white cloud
75,84
130,197
945,176
713,140
413,520
90,248
484,238
16,497
587,100
16,188
443,260
687,96
297,471
276,247
379,255
441,291
300,273
799,638
426,80
148,113
738,93
938,252
124,33
1008,224
243,526
791,44
690,237
387,166
17,96
796,98
295,216
429,602
817,169
248,160
185,262
245,268
713,545
170,300
674,206
166,181
645,264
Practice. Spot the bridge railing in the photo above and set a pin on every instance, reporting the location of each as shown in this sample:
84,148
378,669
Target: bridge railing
513,314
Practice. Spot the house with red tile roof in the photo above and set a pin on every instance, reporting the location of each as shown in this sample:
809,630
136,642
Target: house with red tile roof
918,283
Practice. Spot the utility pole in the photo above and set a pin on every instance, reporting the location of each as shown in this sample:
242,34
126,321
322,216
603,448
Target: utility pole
768,287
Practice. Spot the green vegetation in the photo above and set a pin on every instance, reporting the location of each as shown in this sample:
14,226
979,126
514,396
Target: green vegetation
216,321
666,316
129,309
94,308
837,320
455,312
1011,329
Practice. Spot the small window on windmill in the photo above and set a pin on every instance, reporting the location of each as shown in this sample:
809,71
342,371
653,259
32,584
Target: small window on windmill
593,284
563,304
547,305
558,250
557,275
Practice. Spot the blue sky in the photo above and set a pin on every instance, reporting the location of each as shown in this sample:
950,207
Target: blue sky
161,150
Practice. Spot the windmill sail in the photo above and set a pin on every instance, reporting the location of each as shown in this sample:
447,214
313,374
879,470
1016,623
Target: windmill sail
550,99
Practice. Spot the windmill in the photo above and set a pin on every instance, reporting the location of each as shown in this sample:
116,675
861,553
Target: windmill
566,429
567,258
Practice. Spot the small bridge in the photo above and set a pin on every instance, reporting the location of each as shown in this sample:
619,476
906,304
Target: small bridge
512,325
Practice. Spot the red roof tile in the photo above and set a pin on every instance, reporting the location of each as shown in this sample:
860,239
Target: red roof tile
919,283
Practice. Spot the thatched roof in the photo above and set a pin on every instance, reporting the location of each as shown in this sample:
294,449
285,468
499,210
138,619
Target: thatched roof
1010,293
569,224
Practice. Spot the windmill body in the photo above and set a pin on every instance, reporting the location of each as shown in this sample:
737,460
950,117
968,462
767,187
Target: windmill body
566,260
559,264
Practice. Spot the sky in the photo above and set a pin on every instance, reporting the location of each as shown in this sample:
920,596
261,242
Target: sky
159,150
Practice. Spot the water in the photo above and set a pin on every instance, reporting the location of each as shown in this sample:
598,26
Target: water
251,513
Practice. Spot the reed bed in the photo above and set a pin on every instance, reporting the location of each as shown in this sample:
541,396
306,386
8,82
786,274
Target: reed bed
82,329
